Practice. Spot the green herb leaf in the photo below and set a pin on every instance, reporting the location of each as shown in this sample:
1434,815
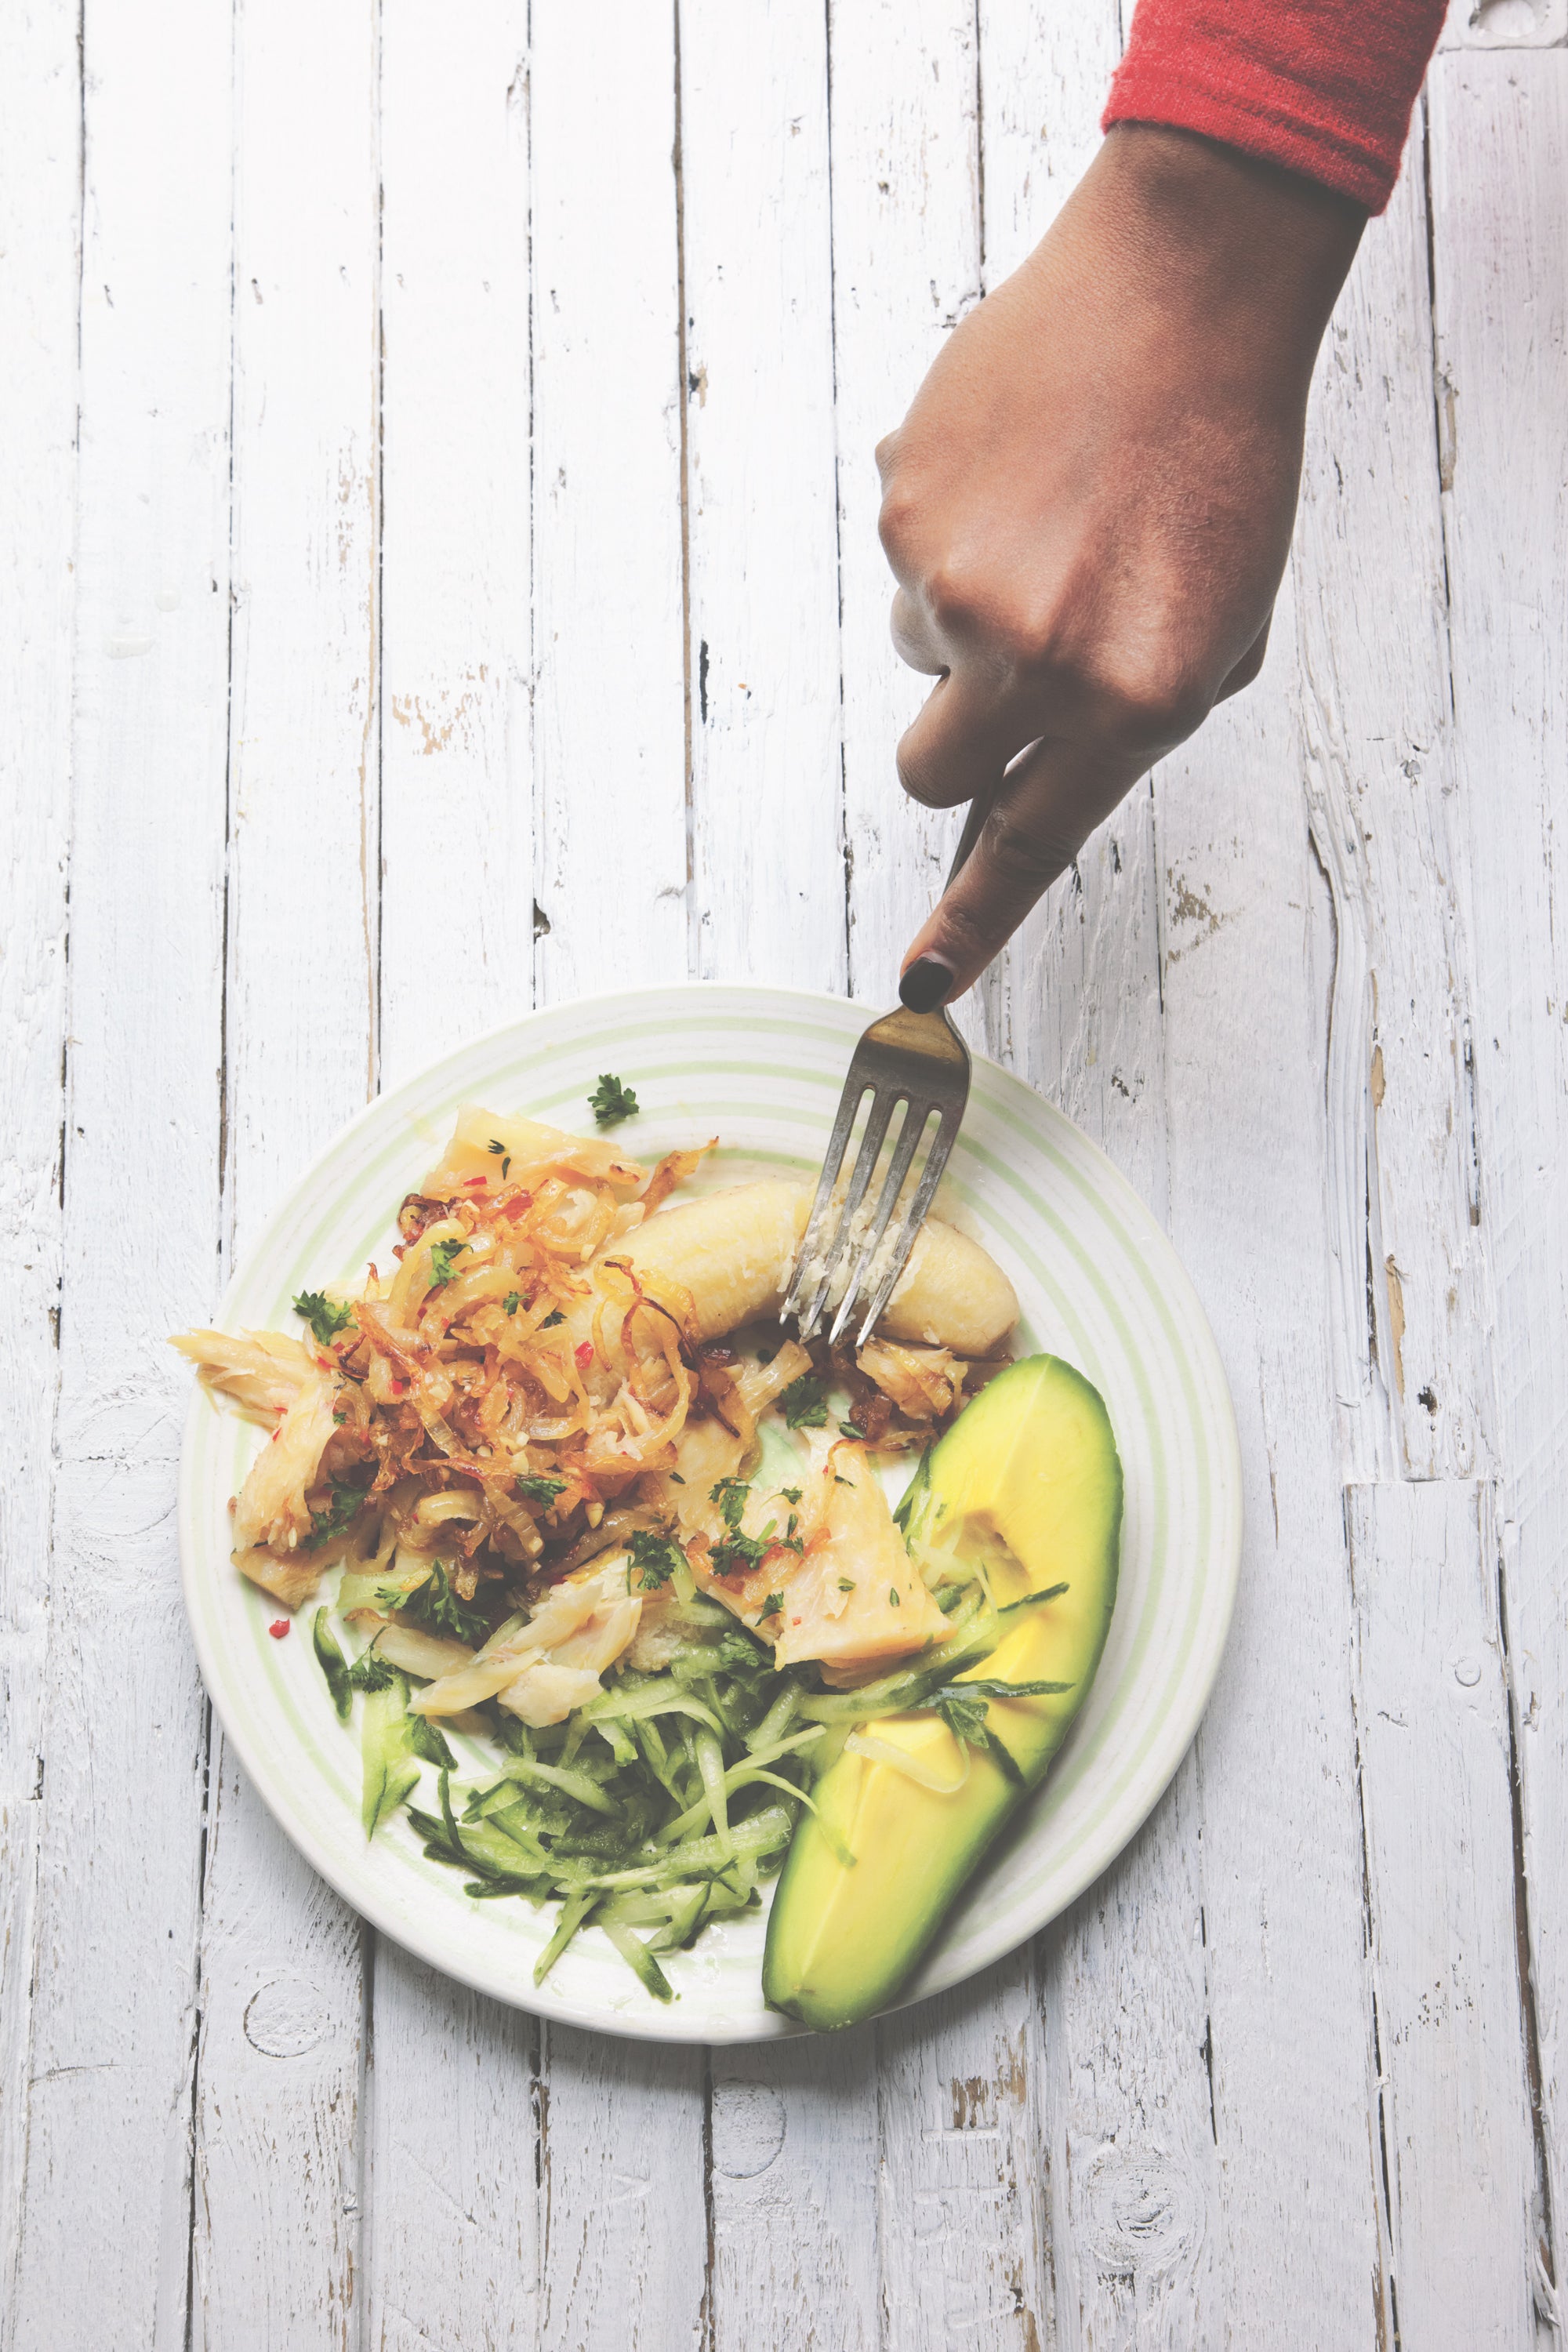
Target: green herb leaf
847,1584
338,1515
965,1717
893,1601
435,1605
539,1488
554,1317
851,1429
655,1556
512,1302
369,1673
324,1319
790,1494
442,1254
803,1404
772,1604
730,1494
611,1101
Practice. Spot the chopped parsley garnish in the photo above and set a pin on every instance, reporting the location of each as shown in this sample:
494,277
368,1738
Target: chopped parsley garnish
340,1514
512,1301
847,1584
655,1556
772,1604
503,1155
805,1404
324,1319
554,1317
850,1428
790,1494
369,1673
442,1254
730,1495
539,1488
610,1100
435,1605
893,1601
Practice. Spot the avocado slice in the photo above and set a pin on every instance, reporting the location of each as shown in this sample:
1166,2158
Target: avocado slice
1027,1478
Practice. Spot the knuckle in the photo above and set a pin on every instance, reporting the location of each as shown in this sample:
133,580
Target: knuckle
1155,699
898,520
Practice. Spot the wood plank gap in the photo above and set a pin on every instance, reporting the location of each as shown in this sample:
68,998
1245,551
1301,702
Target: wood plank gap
1548,2300
845,850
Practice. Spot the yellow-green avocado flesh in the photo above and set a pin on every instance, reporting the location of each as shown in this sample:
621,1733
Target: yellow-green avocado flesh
1028,1478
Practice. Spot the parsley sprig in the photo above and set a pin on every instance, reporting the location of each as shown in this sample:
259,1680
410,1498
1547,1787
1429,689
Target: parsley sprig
611,1101
325,1320
805,1402
442,1258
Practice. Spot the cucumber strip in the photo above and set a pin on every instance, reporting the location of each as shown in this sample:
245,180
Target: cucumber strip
758,1834
426,1741
390,1771
573,1784
333,1663
778,1718
1033,1601
639,1958
664,1696
710,1762
617,1739
574,1912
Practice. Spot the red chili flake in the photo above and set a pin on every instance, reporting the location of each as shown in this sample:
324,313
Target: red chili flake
399,1388
475,1184
277,1628
584,1353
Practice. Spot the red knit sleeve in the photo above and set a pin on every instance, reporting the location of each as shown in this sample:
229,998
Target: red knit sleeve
1324,86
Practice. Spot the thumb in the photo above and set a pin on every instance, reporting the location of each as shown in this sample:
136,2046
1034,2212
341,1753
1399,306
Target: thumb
1050,800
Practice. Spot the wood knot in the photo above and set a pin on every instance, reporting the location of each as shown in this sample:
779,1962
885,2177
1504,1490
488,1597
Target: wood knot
748,2128
1143,2213
285,2017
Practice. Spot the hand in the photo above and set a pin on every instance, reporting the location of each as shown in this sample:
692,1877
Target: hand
1089,506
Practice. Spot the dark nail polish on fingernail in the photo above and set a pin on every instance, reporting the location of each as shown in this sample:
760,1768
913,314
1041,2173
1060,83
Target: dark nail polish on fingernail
925,984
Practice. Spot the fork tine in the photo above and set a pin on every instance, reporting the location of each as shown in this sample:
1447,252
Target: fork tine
914,1127
884,1102
931,1176
856,1087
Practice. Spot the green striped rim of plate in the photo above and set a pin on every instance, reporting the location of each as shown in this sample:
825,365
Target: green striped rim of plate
1098,1283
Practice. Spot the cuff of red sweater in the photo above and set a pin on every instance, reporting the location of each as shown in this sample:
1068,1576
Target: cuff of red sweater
1181,99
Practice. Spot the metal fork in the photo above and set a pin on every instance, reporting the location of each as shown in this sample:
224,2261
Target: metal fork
918,1058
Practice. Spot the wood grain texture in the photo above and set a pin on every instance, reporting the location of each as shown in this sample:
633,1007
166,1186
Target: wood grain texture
40,166
1432,1728
1247,947
612,853
114,1956
1500,124
281,2053
766,757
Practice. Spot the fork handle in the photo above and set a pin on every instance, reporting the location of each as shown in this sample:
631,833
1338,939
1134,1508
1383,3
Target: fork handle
973,823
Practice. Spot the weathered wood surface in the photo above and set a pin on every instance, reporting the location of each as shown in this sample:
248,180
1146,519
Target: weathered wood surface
440,576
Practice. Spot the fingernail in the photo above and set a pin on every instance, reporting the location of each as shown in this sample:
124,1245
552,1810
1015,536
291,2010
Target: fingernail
925,984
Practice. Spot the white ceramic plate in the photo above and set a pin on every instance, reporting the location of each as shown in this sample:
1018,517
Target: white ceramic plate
1100,1285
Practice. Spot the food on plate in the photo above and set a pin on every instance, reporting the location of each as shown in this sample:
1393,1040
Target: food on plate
590,1516
1027,1482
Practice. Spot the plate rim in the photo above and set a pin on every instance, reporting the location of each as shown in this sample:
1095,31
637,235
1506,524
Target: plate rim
1182,1721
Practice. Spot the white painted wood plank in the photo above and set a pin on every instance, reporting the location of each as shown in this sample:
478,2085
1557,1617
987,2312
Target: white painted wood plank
114,1959
1372,651
279,2061
1499,154
40,123
450,2245
457,912
1432,1722
1244,987
767,776
793,2142
963,2216
623,2224
609,692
